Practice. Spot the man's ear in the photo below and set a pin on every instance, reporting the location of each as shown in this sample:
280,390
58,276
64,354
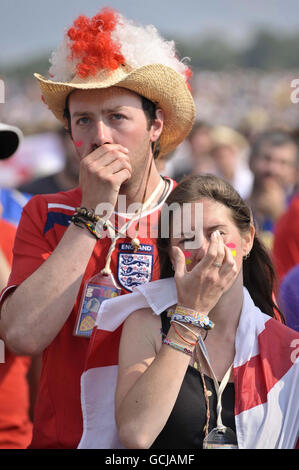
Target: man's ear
157,125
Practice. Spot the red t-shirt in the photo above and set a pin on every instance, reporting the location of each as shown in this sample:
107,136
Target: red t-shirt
7,236
58,417
15,425
286,240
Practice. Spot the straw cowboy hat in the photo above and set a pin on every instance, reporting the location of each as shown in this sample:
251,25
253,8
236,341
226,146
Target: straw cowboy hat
10,139
108,50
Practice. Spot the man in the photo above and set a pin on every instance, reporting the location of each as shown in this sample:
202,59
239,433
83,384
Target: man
289,297
123,104
229,152
10,138
194,156
285,250
274,161
15,422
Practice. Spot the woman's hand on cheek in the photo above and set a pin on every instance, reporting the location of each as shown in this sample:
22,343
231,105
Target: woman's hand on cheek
202,287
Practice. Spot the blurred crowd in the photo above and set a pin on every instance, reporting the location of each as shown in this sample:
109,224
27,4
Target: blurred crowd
250,100
247,132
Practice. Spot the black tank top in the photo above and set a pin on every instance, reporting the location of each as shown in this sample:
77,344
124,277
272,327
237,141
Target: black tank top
184,428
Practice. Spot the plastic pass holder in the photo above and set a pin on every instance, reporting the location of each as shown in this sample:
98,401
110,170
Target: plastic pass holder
97,289
221,438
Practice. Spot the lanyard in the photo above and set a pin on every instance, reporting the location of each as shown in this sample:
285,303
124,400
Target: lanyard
219,388
124,228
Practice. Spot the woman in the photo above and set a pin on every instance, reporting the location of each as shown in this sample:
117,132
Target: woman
168,393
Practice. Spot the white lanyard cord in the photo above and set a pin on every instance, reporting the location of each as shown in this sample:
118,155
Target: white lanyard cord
120,233
219,388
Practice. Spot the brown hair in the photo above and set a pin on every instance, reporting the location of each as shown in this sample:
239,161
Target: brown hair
258,272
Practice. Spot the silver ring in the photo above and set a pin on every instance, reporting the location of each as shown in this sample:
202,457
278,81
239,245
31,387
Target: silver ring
218,265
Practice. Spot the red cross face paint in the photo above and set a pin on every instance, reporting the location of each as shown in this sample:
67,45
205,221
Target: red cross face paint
188,256
232,246
78,143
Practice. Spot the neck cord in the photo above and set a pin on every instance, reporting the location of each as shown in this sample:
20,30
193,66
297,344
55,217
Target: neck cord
219,388
120,233
135,240
206,426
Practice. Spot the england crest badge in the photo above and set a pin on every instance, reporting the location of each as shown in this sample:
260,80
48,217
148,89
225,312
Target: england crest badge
134,269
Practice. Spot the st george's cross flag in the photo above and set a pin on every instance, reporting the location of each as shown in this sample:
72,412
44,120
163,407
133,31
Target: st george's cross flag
266,372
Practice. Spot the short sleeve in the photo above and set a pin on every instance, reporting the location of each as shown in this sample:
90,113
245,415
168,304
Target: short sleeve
31,246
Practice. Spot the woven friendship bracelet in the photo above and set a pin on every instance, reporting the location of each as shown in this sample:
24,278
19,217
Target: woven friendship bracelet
82,223
205,322
200,317
176,346
189,312
92,230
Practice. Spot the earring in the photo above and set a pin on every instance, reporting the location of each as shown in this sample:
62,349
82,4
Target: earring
246,256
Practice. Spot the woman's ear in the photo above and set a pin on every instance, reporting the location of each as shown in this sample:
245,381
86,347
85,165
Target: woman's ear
157,125
247,240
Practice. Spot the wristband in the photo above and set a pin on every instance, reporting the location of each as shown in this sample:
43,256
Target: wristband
202,318
87,214
90,216
91,227
182,337
176,346
189,312
186,328
204,322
